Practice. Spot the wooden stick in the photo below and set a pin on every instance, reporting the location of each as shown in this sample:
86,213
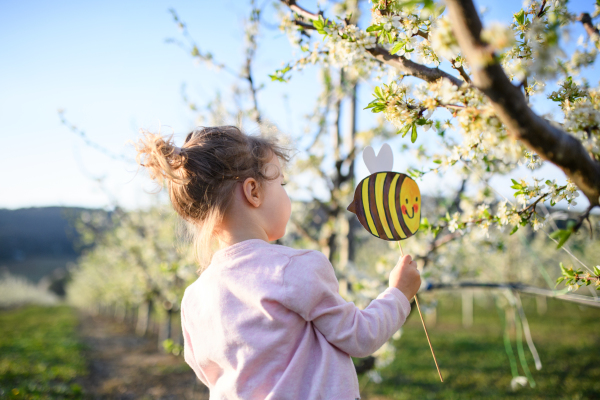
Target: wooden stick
424,327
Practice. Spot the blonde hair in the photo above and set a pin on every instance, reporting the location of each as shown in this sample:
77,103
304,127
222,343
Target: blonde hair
201,175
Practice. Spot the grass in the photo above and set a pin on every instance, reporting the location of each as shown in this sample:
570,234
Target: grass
474,361
40,354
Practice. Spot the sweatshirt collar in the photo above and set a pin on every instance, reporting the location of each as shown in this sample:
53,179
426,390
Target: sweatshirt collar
239,247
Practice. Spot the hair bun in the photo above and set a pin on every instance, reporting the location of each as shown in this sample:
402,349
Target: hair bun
161,157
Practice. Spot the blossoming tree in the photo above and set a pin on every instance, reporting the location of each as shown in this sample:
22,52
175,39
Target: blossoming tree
480,111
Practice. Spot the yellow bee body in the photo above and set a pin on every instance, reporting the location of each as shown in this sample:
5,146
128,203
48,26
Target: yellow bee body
388,205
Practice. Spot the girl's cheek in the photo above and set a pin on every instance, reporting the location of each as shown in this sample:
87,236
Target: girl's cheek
404,209
415,207
288,205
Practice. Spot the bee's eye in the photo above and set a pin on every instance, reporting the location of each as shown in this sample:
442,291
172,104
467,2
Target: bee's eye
416,199
406,201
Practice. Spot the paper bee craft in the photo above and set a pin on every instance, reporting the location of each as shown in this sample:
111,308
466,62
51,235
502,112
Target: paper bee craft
387,204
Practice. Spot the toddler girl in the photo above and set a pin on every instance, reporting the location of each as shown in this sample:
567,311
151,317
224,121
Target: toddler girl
264,321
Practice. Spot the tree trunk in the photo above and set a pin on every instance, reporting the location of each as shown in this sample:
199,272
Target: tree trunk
351,226
120,311
143,321
165,330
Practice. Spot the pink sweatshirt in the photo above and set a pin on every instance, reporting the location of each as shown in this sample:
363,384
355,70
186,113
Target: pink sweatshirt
266,321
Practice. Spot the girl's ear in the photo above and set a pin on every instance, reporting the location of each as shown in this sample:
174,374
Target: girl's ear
251,190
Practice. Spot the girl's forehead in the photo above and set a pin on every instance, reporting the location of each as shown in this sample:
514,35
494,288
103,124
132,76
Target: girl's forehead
273,165
275,160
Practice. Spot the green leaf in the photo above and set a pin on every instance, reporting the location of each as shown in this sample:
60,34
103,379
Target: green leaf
413,136
563,239
520,17
404,130
319,24
562,268
411,3
397,47
374,28
379,93
437,161
515,229
277,78
569,272
421,121
555,235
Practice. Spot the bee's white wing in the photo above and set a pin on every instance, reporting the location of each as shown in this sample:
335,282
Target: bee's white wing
384,161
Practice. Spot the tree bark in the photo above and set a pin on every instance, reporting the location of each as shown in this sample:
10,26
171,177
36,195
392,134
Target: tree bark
549,142
352,180
143,320
411,68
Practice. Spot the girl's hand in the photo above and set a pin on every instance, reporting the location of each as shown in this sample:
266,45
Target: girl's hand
405,277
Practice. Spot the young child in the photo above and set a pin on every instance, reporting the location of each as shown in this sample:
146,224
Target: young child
264,321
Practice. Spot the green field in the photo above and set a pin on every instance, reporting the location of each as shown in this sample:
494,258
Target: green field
474,361
40,354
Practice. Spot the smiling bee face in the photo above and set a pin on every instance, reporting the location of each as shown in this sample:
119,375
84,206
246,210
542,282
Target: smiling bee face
388,205
410,198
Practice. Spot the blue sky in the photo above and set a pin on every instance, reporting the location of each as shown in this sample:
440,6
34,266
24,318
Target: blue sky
108,66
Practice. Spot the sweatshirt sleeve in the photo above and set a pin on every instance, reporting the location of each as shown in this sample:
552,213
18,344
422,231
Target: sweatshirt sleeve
188,350
312,291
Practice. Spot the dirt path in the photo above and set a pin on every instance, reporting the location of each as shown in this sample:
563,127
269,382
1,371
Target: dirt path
125,366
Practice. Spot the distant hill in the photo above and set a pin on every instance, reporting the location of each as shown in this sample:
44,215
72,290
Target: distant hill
36,241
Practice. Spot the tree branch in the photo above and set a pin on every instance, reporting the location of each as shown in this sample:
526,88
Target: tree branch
403,65
299,10
411,68
510,105
461,71
586,300
586,21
